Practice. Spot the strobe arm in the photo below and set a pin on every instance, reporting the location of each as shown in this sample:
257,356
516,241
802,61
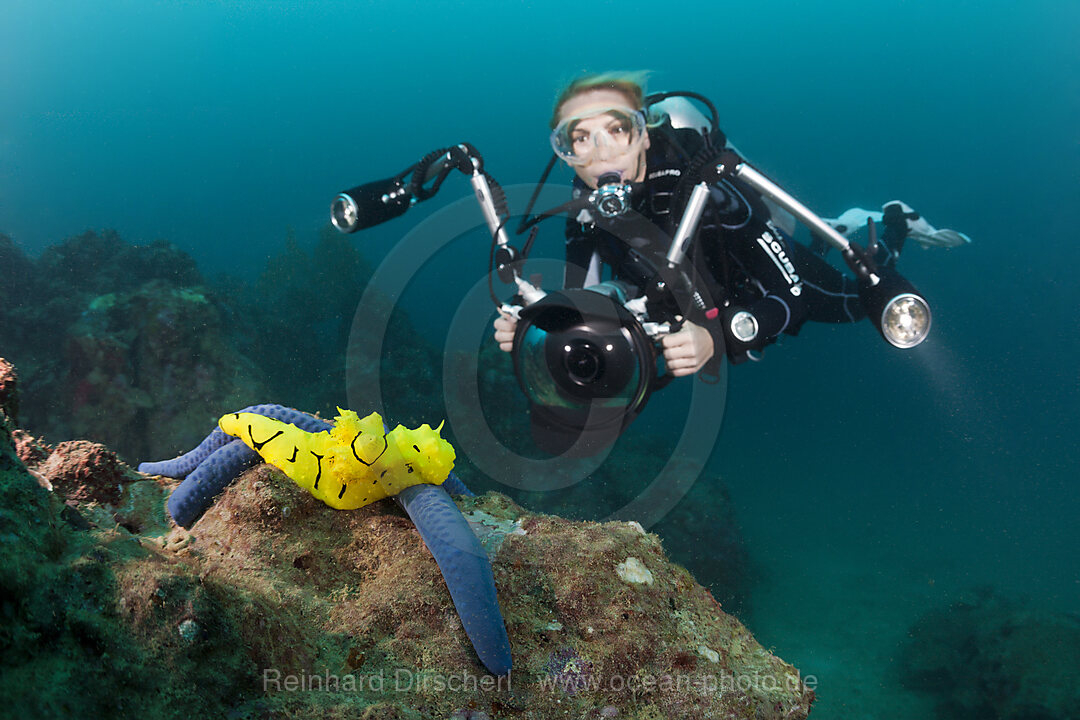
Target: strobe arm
376,202
729,163
373,203
896,308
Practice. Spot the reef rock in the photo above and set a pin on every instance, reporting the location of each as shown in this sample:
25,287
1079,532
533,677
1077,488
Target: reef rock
86,472
9,391
988,657
145,368
276,606
118,343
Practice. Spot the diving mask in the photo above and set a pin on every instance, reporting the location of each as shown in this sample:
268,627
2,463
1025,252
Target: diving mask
598,134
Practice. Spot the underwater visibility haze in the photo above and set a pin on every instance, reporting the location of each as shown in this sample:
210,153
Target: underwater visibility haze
898,525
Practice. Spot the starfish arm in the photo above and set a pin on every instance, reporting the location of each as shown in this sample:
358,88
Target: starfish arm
465,568
215,463
197,493
455,486
180,466
286,414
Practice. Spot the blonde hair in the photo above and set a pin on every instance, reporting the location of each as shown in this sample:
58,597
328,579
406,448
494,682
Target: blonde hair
629,84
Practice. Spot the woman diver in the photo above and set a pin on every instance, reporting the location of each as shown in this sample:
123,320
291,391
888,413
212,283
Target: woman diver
603,128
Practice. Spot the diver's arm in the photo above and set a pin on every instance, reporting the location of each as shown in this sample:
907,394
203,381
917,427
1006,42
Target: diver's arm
768,260
830,295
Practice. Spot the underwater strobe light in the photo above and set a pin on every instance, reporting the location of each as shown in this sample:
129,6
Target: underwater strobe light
368,205
901,314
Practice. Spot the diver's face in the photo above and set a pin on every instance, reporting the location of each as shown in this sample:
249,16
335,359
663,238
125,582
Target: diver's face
602,140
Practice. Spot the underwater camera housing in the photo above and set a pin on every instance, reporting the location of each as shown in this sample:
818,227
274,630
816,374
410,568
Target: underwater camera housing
587,367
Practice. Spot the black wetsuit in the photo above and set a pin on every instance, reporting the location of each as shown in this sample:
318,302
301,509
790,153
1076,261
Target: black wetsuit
740,258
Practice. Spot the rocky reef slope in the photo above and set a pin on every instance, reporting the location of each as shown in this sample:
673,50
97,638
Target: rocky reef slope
276,606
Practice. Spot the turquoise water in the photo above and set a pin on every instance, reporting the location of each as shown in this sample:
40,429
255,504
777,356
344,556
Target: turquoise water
871,483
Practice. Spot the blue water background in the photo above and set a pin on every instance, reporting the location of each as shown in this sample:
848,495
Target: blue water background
220,126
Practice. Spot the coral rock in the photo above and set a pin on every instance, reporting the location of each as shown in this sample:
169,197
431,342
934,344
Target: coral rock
86,471
31,450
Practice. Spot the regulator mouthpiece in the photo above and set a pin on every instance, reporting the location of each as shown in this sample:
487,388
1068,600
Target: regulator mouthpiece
611,198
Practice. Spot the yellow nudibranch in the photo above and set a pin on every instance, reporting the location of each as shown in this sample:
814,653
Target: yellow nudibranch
354,463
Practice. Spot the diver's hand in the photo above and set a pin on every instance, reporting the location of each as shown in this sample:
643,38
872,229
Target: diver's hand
504,332
687,350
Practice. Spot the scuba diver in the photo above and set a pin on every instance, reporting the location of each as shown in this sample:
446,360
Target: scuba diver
744,255
678,254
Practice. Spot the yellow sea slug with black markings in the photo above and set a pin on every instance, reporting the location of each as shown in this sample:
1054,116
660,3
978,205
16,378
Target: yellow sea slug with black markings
348,464
354,463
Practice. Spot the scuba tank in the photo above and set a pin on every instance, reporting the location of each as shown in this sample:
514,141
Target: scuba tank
682,113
